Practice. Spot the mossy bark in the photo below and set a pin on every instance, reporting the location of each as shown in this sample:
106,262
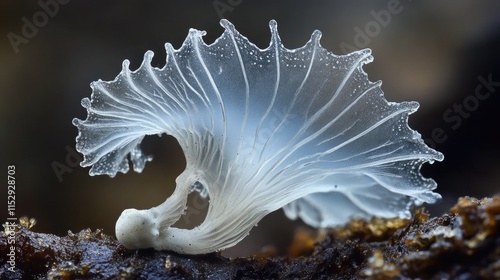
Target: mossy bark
463,244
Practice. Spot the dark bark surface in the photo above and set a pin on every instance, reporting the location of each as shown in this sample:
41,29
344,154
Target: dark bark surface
463,244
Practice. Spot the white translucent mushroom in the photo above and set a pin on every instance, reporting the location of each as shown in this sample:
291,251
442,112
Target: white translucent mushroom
261,129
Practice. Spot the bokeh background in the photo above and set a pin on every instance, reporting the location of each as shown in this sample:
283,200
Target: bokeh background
433,52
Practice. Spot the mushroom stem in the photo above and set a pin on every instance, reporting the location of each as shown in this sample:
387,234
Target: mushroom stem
143,228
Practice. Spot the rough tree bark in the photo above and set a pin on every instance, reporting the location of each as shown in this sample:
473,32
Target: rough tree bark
461,244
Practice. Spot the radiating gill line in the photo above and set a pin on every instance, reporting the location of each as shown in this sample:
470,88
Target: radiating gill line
284,119
340,133
400,189
296,146
359,167
119,115
384,161
219,97
136,89
207,103
276,44
191,104
157,109
127,107
358,203
368,130
247,107
173,109
387,143
247,90
211,112
99,151
316,115
107,125
297,92
186,100
384,154
101,89
315,95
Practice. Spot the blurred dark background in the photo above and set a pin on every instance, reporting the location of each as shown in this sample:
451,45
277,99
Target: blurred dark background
443,54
